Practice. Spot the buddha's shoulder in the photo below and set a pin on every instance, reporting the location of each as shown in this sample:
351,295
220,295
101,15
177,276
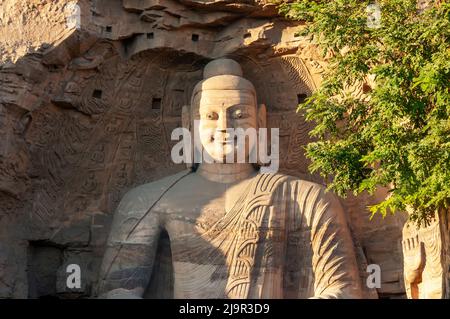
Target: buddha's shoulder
148,193
275,180
307,190
302,190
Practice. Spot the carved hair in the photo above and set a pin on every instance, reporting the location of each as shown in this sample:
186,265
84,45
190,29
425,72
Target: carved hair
221,74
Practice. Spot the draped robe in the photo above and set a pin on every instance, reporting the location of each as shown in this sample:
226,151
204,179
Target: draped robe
283,238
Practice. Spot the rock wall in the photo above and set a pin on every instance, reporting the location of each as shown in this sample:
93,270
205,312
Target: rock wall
86,113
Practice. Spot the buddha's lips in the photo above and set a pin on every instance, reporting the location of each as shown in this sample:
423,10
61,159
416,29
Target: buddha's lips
224,141
227,142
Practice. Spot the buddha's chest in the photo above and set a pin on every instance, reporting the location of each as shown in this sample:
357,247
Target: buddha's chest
214,249
194,217
200,266
190,240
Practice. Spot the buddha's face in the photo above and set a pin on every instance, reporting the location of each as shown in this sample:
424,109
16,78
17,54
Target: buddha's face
221,111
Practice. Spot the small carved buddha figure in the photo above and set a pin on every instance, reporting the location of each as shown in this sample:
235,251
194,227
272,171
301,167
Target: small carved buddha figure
234,232
423,260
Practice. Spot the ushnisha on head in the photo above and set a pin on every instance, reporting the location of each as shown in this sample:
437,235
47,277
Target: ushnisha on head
221,103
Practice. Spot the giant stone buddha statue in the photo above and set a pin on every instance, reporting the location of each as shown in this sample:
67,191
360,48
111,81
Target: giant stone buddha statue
234,232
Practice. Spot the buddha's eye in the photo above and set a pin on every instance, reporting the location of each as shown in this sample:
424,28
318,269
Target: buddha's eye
238,114
212,116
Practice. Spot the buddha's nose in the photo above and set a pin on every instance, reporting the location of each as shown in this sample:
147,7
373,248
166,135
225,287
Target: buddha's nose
222,123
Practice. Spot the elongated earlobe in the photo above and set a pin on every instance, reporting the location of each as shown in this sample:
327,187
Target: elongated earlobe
262,123
262,116
185,117
186,123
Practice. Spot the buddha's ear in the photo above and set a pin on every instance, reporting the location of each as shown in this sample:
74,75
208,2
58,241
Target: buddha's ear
262,116
186,123
186,117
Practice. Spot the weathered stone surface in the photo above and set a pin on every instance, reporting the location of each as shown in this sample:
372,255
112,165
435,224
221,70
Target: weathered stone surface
77,233
44,260
86,115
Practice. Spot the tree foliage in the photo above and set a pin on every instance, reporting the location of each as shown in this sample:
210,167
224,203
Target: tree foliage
396,134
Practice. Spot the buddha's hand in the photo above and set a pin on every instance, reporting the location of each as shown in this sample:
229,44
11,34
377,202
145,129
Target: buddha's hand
413,259
121,293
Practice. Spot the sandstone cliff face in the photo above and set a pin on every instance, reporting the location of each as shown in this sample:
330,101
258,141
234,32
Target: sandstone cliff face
28,25
86,112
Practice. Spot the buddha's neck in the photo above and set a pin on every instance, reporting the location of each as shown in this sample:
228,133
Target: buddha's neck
226,173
